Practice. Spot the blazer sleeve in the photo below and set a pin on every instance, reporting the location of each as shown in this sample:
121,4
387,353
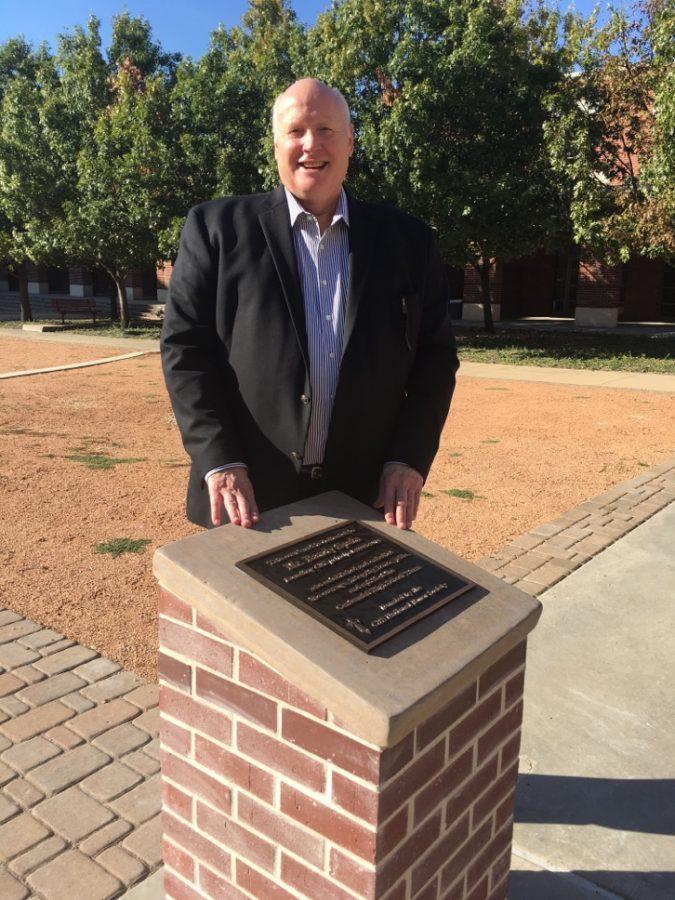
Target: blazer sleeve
199,380
431,381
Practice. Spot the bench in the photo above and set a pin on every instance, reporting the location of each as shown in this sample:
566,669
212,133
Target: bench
70,306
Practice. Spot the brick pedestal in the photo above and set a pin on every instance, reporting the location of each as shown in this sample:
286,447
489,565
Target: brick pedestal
281,782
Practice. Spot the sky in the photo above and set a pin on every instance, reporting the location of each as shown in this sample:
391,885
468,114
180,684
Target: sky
178,25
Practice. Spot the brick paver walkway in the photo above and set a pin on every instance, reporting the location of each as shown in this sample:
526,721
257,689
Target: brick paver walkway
537,560
79,754
79,757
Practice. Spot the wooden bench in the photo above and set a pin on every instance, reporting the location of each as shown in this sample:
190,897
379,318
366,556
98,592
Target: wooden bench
71,306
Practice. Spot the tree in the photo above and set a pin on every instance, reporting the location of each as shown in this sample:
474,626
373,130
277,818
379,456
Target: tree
449,120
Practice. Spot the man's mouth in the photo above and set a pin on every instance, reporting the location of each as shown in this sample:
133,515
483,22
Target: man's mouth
313,165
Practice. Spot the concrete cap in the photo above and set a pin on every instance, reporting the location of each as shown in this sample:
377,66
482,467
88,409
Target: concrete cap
380,696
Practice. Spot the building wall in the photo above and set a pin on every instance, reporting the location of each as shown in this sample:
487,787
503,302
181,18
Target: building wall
643,282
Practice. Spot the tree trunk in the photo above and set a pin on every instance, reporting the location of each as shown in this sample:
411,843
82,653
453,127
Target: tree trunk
484,272
26,311
567,289
114,308
120,284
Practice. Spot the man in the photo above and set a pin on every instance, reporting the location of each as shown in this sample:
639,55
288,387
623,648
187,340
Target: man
306,344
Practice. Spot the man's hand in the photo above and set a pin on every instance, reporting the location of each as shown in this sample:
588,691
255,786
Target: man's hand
232,489
399,494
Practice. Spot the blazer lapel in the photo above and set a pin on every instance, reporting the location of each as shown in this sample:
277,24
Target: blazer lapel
361,250
276,226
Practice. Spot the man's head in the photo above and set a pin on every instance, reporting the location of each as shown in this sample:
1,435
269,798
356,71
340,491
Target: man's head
313,140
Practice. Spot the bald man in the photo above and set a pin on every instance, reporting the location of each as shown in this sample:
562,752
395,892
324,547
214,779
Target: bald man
306,343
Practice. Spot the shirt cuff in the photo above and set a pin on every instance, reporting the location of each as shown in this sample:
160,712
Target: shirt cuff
223,469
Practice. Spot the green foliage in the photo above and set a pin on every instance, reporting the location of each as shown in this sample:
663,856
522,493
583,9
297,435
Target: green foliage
117,546
461,494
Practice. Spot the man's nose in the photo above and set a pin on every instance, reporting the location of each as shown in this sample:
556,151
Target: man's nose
309,139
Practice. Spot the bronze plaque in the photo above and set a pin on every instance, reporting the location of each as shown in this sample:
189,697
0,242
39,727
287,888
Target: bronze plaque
357,581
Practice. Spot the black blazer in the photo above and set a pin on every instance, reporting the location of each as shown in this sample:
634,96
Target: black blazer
235,358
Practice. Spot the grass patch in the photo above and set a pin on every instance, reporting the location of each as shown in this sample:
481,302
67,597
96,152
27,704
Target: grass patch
570,350
102,460
118,546
497,389
426,494
462,494
147,330
490,441
456,454
28,432
643,465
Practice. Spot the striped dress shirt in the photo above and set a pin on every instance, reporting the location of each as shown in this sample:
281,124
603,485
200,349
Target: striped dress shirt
323,267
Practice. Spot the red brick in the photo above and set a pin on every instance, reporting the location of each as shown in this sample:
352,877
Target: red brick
239,839
176,889
194,714
193,781
234,697
347,871
398,893
430,892
504,785
456,892
355,798
175,737
500,869
432,861
481,863
282,758
411,850
394,758
174,671
234,768
341,750
198,647
261,677
443,785
176,800
392,832
480,892
259,886
412,779
462,799
205,624
171,606
446,716
498,733
196,844
178,859
215,886
514,688
504,812
509,752
327,821
310,883
499,670
500,892
467,852
475,721
280,830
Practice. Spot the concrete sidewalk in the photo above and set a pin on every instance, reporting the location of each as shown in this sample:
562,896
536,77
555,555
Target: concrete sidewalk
596,797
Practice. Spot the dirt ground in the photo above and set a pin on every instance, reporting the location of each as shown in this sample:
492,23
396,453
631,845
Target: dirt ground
17,354
528,452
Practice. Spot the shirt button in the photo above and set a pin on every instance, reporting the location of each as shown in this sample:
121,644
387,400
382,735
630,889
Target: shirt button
331,355
324,282
328,318
305,399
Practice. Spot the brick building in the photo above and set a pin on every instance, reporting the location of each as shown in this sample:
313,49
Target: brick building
545,284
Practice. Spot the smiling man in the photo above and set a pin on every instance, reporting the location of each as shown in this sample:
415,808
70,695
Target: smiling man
306,344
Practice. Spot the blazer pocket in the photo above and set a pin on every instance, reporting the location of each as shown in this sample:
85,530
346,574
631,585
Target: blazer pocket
411,319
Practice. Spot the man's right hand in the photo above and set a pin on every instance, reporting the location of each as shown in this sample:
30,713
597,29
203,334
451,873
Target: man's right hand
232,489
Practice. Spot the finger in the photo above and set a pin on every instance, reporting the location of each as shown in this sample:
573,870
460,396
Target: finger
252,505
214,497
389,501
416,503
244,509
231,507
401,512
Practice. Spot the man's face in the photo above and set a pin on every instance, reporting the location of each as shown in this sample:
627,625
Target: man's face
313,144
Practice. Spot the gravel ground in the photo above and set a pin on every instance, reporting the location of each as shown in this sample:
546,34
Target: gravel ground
521,454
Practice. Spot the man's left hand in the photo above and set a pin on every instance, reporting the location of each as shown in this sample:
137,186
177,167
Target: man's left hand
399,494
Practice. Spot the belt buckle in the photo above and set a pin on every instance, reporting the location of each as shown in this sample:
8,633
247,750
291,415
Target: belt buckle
316,473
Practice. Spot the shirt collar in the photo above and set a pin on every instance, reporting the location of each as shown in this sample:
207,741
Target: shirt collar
295,208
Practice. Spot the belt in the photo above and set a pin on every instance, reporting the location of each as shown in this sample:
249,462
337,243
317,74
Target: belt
313,472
